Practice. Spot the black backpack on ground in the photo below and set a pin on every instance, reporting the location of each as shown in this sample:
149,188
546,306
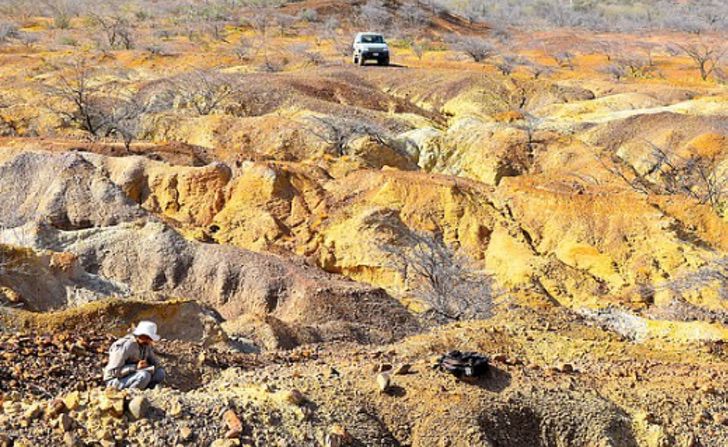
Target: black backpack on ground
463,364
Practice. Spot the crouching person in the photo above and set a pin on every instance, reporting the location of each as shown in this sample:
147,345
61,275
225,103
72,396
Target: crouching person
132,363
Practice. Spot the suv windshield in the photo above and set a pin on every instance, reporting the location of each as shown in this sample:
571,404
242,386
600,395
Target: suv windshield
371,38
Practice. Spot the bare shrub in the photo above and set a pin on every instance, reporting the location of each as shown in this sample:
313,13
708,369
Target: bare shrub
616,71
124,119
117,31
61,11
635,65
338,132
329,28
706,56
564,59
28,39
477,48
204,90
245,49
309,15
87,106
374,15
418,49
510,62
413,15
343,46
303,51
697,177
8,31
713,270
445,280
538,70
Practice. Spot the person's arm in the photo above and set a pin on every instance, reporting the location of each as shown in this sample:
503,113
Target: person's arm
152,358
118,356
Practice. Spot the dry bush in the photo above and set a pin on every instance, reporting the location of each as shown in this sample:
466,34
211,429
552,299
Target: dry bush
61,11
8,31
413,15
374,15
338,132
419,49
616,71
303,52
117,31
713,270
697,177
564,59
245,49
538,70
94,111
446,281
87,106
124,120
705,55
203,90
309,15
478,48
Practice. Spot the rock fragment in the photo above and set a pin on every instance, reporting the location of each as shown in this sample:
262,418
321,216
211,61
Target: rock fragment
383,382
233,424
139,407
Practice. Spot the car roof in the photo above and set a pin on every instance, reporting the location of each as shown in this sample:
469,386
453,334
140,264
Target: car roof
372,33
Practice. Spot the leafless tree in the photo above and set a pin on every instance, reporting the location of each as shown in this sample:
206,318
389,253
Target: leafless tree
706,56
88,107
204,90
478,48
261,21
338,132
124,119
116,29
694,176
61,11
564,59
445,280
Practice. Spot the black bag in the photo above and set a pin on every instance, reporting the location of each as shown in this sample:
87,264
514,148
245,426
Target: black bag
463,364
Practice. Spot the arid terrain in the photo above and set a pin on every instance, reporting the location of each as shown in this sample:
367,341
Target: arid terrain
302,229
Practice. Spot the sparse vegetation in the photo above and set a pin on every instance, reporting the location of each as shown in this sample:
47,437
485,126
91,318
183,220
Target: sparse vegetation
698,177
705,56
203,90
447,282
478,48
338,132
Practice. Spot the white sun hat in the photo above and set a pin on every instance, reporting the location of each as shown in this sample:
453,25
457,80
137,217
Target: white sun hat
148,328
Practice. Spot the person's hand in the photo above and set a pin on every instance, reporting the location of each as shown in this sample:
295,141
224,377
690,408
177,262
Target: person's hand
142,364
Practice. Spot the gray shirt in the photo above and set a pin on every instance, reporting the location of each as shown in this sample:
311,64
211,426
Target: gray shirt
124,355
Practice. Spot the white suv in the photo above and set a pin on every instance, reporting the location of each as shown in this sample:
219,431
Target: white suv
370,46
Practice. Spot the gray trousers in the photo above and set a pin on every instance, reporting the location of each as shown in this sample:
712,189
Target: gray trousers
140,380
